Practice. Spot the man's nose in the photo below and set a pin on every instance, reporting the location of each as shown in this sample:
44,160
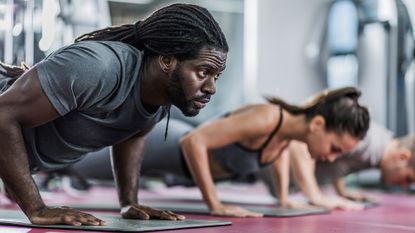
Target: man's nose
331,158
209,86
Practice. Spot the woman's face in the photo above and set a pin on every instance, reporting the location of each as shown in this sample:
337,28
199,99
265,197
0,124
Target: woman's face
327,146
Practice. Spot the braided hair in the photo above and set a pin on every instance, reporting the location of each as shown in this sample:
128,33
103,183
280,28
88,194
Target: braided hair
178,29
12,71
339,108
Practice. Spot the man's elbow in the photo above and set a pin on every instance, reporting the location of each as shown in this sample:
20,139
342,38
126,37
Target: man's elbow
7,120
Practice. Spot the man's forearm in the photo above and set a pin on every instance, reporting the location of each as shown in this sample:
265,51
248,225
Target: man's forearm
126,160
15,172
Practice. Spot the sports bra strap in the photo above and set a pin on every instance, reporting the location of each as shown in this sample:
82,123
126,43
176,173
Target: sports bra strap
274,131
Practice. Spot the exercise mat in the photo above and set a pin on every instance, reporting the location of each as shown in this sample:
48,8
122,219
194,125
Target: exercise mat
113,222
196,208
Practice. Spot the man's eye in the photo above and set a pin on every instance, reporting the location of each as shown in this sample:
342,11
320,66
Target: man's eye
203,73
217,76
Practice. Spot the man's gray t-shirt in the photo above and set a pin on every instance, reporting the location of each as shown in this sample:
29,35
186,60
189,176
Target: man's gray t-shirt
367,154
95,88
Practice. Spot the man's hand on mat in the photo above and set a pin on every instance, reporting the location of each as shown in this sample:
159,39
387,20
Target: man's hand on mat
64,215
136,211
234,211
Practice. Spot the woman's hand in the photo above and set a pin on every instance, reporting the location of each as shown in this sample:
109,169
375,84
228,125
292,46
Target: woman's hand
356,196
234,211
63,215
336,203
294,205
137,211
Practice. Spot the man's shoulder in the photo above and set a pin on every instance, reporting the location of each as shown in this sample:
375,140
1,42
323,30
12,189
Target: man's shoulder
89,55
105,48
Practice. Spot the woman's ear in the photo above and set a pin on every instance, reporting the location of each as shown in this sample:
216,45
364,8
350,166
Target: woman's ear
167,63
317,123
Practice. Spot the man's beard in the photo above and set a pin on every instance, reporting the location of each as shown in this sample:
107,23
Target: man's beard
178,97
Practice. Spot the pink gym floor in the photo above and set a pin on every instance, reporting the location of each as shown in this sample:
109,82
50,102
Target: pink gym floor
394,214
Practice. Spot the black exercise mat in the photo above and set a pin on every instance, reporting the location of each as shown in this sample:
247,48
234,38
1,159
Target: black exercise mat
194,208
114,222
369,204
267,211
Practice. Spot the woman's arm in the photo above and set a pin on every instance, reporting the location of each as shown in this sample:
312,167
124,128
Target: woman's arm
303,169
281,170
340,187
342,191
304,173
253,122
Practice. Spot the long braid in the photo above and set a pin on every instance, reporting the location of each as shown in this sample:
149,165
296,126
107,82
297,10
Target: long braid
12,71
178,29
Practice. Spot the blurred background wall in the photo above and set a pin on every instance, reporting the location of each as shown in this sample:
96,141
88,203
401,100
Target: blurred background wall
290,49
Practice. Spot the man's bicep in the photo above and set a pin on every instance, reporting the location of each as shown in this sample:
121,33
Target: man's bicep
26,102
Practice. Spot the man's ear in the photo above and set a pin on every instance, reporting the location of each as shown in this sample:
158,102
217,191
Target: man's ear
167,63
404,154
317,123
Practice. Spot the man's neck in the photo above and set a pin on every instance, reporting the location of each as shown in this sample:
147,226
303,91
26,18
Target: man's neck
153,87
